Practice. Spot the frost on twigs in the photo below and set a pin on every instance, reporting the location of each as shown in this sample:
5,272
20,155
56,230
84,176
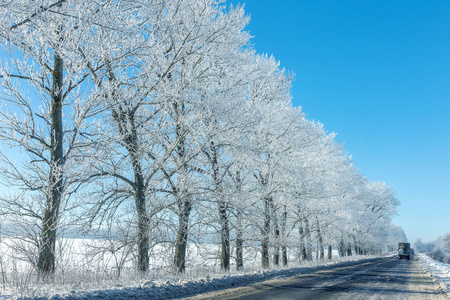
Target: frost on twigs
153,130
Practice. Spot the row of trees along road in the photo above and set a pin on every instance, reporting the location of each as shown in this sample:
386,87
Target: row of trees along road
159,116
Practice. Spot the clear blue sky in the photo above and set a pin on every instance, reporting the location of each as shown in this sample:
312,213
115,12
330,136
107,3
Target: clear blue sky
378,74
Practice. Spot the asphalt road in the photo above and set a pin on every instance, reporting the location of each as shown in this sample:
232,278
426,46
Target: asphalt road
387,278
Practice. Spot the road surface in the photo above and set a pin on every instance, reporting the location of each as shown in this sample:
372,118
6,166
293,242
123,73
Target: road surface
387,278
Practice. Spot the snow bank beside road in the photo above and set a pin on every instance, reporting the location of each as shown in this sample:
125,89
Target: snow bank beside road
439,271
191,287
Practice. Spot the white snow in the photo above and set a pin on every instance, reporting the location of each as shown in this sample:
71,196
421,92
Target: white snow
80,271
167,286
183,287
438,270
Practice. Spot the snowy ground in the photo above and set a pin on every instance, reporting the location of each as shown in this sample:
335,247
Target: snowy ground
439,271
167,286
94,264
179,287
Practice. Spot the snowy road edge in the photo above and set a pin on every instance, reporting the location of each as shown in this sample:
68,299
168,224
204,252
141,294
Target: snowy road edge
439,272
185,288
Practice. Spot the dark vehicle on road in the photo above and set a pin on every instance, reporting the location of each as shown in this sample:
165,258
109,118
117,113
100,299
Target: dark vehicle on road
404,250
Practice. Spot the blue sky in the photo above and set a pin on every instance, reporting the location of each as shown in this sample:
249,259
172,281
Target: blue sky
378,74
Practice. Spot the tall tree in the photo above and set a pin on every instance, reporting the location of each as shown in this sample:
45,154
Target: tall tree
50,126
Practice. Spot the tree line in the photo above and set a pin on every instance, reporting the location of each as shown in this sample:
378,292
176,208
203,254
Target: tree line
438,249
159,122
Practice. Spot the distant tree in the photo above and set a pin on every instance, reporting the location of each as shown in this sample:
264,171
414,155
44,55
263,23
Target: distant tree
446,242
418,244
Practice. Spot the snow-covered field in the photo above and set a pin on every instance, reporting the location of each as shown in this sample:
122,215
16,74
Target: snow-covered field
439,271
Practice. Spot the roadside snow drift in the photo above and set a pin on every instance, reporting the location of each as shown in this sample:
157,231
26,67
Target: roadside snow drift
439,271
183,288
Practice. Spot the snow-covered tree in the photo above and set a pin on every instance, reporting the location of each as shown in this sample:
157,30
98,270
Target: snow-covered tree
159,121
46,110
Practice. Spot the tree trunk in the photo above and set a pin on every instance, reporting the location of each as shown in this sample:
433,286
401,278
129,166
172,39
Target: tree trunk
317,250
355,246
143,226
308,240
349,250
283,229
184,200
301,231
276,247
181,242
126,125
341,249
320,249
239,231
330,253
276,255
223,216
225,238
239,245
46,261
143,241
132,144
265,234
